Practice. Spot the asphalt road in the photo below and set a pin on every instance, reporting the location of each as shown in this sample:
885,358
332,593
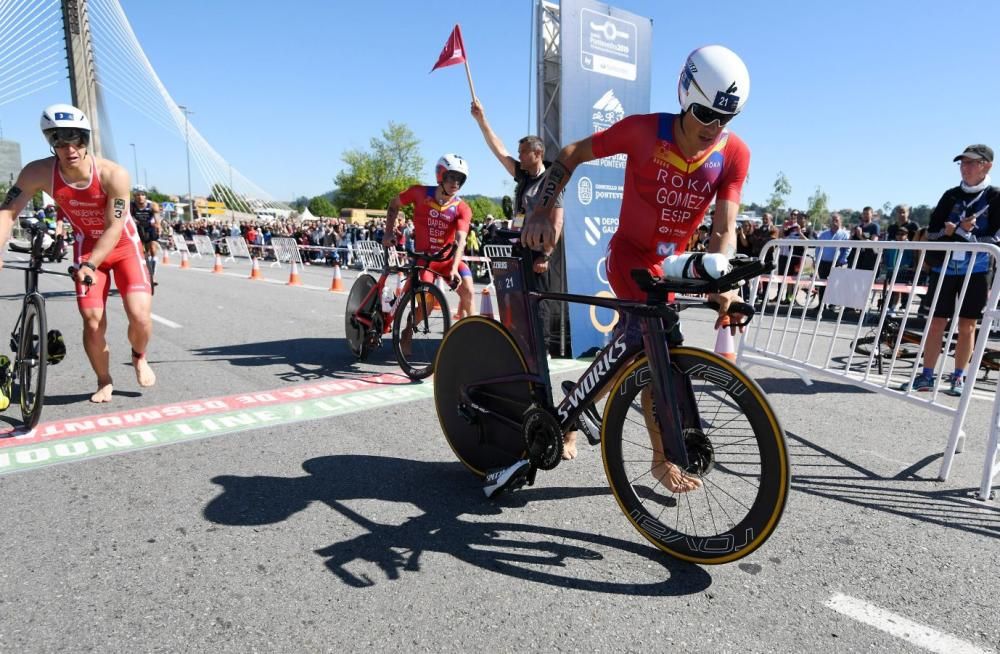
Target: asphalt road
245,503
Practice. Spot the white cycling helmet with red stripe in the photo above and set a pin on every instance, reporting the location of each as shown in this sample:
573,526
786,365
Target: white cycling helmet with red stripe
451,163
716,78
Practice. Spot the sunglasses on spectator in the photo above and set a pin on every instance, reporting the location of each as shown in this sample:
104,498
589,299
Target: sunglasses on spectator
63,136
452,176
707,116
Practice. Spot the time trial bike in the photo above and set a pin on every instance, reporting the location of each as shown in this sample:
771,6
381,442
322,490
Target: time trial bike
668,401
34,346
417,317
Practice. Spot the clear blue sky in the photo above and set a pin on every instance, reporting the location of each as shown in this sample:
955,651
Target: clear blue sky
869,100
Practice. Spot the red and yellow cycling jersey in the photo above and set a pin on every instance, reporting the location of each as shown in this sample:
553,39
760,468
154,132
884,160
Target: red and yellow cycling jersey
435,225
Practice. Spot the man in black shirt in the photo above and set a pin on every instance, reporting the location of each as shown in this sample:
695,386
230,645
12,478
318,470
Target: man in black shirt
528,170
550,272
967,213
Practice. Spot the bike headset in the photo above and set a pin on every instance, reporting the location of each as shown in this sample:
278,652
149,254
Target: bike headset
451,163
64,123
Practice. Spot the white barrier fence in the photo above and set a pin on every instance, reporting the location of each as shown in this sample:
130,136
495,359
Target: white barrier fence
203,245
286,250
180,244
237,247
838,323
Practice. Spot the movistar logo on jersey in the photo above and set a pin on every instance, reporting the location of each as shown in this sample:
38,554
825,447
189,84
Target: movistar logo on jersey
598,370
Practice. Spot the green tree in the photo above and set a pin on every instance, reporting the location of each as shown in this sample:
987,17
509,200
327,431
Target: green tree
373,177
782,189
482,205
921,214
819,208
319,206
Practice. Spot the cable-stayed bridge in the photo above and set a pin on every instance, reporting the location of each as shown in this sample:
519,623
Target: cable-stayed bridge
90,47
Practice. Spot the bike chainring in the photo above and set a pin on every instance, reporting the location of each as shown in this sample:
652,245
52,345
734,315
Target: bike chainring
542,437
701,454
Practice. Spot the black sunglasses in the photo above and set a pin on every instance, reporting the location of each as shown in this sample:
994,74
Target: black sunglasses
707,116
63,136
452,176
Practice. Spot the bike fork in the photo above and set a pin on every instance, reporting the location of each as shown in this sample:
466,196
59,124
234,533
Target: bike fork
667,387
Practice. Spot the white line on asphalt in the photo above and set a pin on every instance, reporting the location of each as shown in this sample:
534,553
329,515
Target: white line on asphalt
164,321
900,627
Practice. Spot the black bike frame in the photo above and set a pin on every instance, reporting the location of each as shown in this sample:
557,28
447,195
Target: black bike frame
518,303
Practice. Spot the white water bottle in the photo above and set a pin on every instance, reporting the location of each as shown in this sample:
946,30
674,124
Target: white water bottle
387,300
689,264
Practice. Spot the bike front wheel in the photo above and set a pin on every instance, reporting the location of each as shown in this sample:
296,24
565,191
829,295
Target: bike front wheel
738,441
421,320
30,362
355,332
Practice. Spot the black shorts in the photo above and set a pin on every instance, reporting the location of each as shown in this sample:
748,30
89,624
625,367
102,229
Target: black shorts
951,286
148,237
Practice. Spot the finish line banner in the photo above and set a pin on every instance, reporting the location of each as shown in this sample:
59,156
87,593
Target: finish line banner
606,55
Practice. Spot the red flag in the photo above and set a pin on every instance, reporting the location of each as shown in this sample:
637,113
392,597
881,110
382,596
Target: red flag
453,52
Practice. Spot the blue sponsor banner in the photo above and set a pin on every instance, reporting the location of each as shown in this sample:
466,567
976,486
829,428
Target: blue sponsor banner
606,54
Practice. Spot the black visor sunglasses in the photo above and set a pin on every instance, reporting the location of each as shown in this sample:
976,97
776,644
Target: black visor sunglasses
63,136
707,116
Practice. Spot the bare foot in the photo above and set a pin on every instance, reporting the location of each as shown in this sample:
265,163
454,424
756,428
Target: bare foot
674,479
143,373
103,393
569,446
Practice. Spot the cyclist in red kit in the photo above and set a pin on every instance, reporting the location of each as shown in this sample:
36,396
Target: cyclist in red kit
93,195
440,217
677,164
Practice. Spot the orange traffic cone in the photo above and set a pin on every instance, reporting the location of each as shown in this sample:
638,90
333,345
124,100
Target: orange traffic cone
338,280
166,257
184,260
725,344
217,268
293,277
255,270
486,303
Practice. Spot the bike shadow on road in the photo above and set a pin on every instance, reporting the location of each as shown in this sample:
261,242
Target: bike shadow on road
301,359
445,492
905,494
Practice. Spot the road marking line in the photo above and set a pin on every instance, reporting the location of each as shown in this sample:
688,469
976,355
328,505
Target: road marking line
900,627
164,321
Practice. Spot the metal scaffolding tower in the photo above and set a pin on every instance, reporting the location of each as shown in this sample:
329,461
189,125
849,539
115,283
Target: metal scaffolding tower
549,76
82,73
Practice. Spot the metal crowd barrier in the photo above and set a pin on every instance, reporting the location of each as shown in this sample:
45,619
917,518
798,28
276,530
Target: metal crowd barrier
826,326
237,247
286,250
203,245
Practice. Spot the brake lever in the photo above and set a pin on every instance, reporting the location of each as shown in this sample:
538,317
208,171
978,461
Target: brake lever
736,308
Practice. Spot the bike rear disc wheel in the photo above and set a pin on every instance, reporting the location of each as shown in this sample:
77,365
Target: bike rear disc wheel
354,331
31,361
481,349
423,314
743,493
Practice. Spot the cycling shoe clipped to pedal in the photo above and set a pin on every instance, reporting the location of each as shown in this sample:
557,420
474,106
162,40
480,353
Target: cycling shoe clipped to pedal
507,479
56,348
589,421
6,382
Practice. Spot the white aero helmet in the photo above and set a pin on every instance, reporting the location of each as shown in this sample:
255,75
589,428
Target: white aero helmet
451,162
139,188
64,116
715,77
